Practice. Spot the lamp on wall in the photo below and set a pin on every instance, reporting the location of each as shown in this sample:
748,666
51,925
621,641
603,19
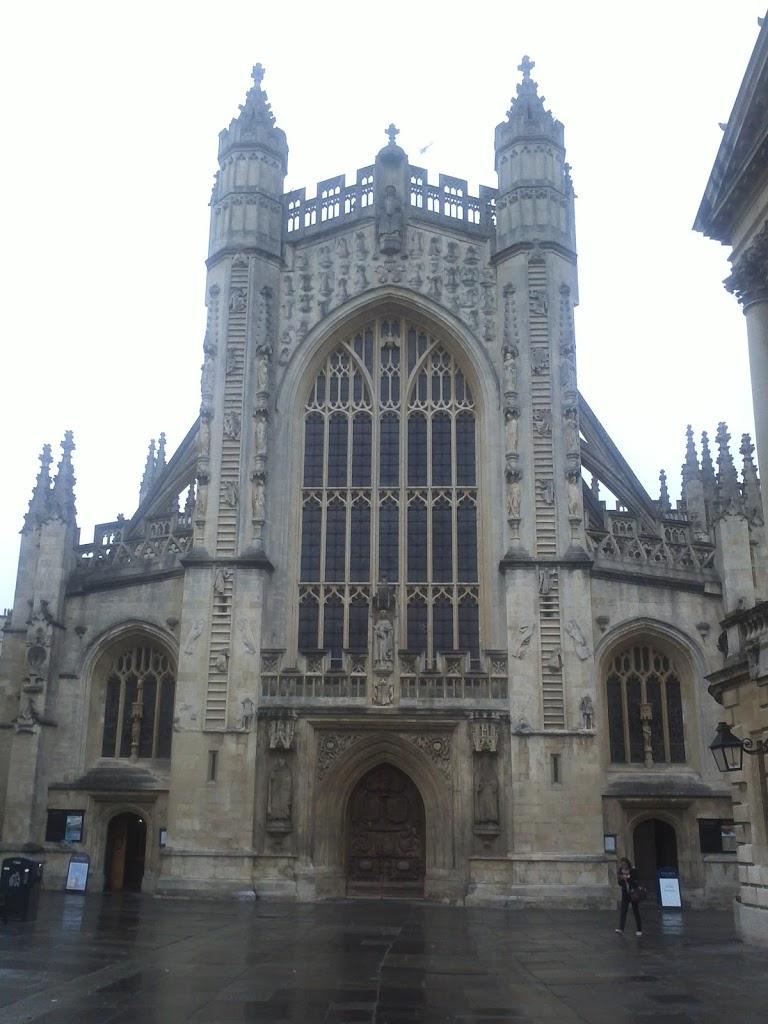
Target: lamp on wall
728,750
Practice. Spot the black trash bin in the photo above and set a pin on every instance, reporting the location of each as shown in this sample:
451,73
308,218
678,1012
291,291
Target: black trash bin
20,888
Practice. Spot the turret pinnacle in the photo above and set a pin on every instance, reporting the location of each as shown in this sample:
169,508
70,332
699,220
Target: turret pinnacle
39,505
526,115
63,492
707,468
751,485
149,472
691,464
728,490
160,461
664,503
255,124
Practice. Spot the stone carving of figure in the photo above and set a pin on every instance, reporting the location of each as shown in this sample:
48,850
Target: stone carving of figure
383,637
361,249
258,510
524,639
545,581
567,367
542,422
263,354
204,437
571,430
574,494
486,795
512,420
260,434
581,645
280,796
221,661
510,368
539,361
547,490
555,660
232,425
201,499
206,377
390,227
194,632
513,495
587,712
231,495
248,713
238,300
231,364
361,277
538,303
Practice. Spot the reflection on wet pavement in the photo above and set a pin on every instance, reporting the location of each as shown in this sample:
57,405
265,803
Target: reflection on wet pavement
120,959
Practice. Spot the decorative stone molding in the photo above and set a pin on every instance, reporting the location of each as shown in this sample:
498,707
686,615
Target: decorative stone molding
437,747
748,280
484,730
281,732
331,745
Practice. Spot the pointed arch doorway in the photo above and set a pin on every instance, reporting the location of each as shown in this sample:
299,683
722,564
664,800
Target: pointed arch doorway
655,845
126,846
385,836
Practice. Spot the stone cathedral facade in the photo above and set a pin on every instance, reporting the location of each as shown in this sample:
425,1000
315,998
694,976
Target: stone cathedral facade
396,618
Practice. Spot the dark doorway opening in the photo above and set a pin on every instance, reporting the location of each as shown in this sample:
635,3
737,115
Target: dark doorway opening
385,836
124,859
655,848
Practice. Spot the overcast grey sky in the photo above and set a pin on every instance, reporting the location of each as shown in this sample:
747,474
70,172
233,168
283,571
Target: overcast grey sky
111,118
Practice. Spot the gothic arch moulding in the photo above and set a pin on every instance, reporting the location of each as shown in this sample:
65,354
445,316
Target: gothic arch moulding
666,633
406,751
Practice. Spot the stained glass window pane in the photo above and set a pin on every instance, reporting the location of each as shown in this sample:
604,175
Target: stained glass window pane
111,711
165,725
360,544
616,721
313,450
389,568
361,450
442,544
358,625
466,542
417,450
653,697
389,467
442,625
147,731
417,543
675,721
466,473
333,633
335,542
634,699
125,731
442,456
337,450
310,542
308,622
469,629
417,625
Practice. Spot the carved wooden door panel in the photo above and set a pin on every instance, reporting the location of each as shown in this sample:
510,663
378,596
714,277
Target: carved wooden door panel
385,836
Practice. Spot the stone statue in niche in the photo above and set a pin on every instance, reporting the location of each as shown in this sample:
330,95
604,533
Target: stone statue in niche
201,498
510,355
435,289
232,425
221,661
547,491
222,578
545,581
587,710
568,367
574,493
361,249
238,300
204,437
260,435
207,377
231,493
390,225
486,794
539,361
514,494
258,509
512,421
542,422
538,302
555,660
383,645
571,417
263,355
193,633
280,797
247,714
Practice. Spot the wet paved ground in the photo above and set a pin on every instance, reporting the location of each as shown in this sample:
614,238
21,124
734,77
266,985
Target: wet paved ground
114,960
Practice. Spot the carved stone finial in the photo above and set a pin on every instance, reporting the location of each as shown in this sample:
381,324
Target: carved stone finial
691,464
40,502
526,65
160,462
707,469
257,74
728,490
751,485
664,502
149,471
392,132
63,490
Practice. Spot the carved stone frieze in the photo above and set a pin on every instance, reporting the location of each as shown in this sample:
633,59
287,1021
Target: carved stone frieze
281,733
331,745
484,731
437,747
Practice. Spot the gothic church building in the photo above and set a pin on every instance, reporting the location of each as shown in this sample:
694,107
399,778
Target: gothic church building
396,618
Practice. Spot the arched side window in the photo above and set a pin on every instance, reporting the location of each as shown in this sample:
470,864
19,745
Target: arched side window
389,495
138,705
645,707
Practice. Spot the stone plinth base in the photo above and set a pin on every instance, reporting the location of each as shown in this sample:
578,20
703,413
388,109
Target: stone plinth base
751,923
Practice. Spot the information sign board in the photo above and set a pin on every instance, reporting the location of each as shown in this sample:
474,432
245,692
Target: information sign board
77,874
669,888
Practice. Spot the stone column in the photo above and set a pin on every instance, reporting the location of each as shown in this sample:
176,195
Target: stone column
756,313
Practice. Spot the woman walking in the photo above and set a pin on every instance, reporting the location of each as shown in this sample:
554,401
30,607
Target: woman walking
629,884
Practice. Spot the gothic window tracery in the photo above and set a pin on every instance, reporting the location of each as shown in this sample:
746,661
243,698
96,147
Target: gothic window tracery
138,706
389,494
645,707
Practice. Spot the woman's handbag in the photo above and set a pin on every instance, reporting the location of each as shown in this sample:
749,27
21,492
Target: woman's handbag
638,894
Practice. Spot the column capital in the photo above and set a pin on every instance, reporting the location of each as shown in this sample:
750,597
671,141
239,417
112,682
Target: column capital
748,279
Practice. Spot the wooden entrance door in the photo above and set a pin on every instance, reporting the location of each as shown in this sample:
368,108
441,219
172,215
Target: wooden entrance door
385,836
126,845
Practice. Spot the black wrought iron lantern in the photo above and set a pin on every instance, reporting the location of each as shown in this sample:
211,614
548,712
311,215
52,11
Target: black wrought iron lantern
728,750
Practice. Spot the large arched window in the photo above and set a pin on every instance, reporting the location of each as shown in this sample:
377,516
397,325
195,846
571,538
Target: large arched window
389,495
138,704
645,707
